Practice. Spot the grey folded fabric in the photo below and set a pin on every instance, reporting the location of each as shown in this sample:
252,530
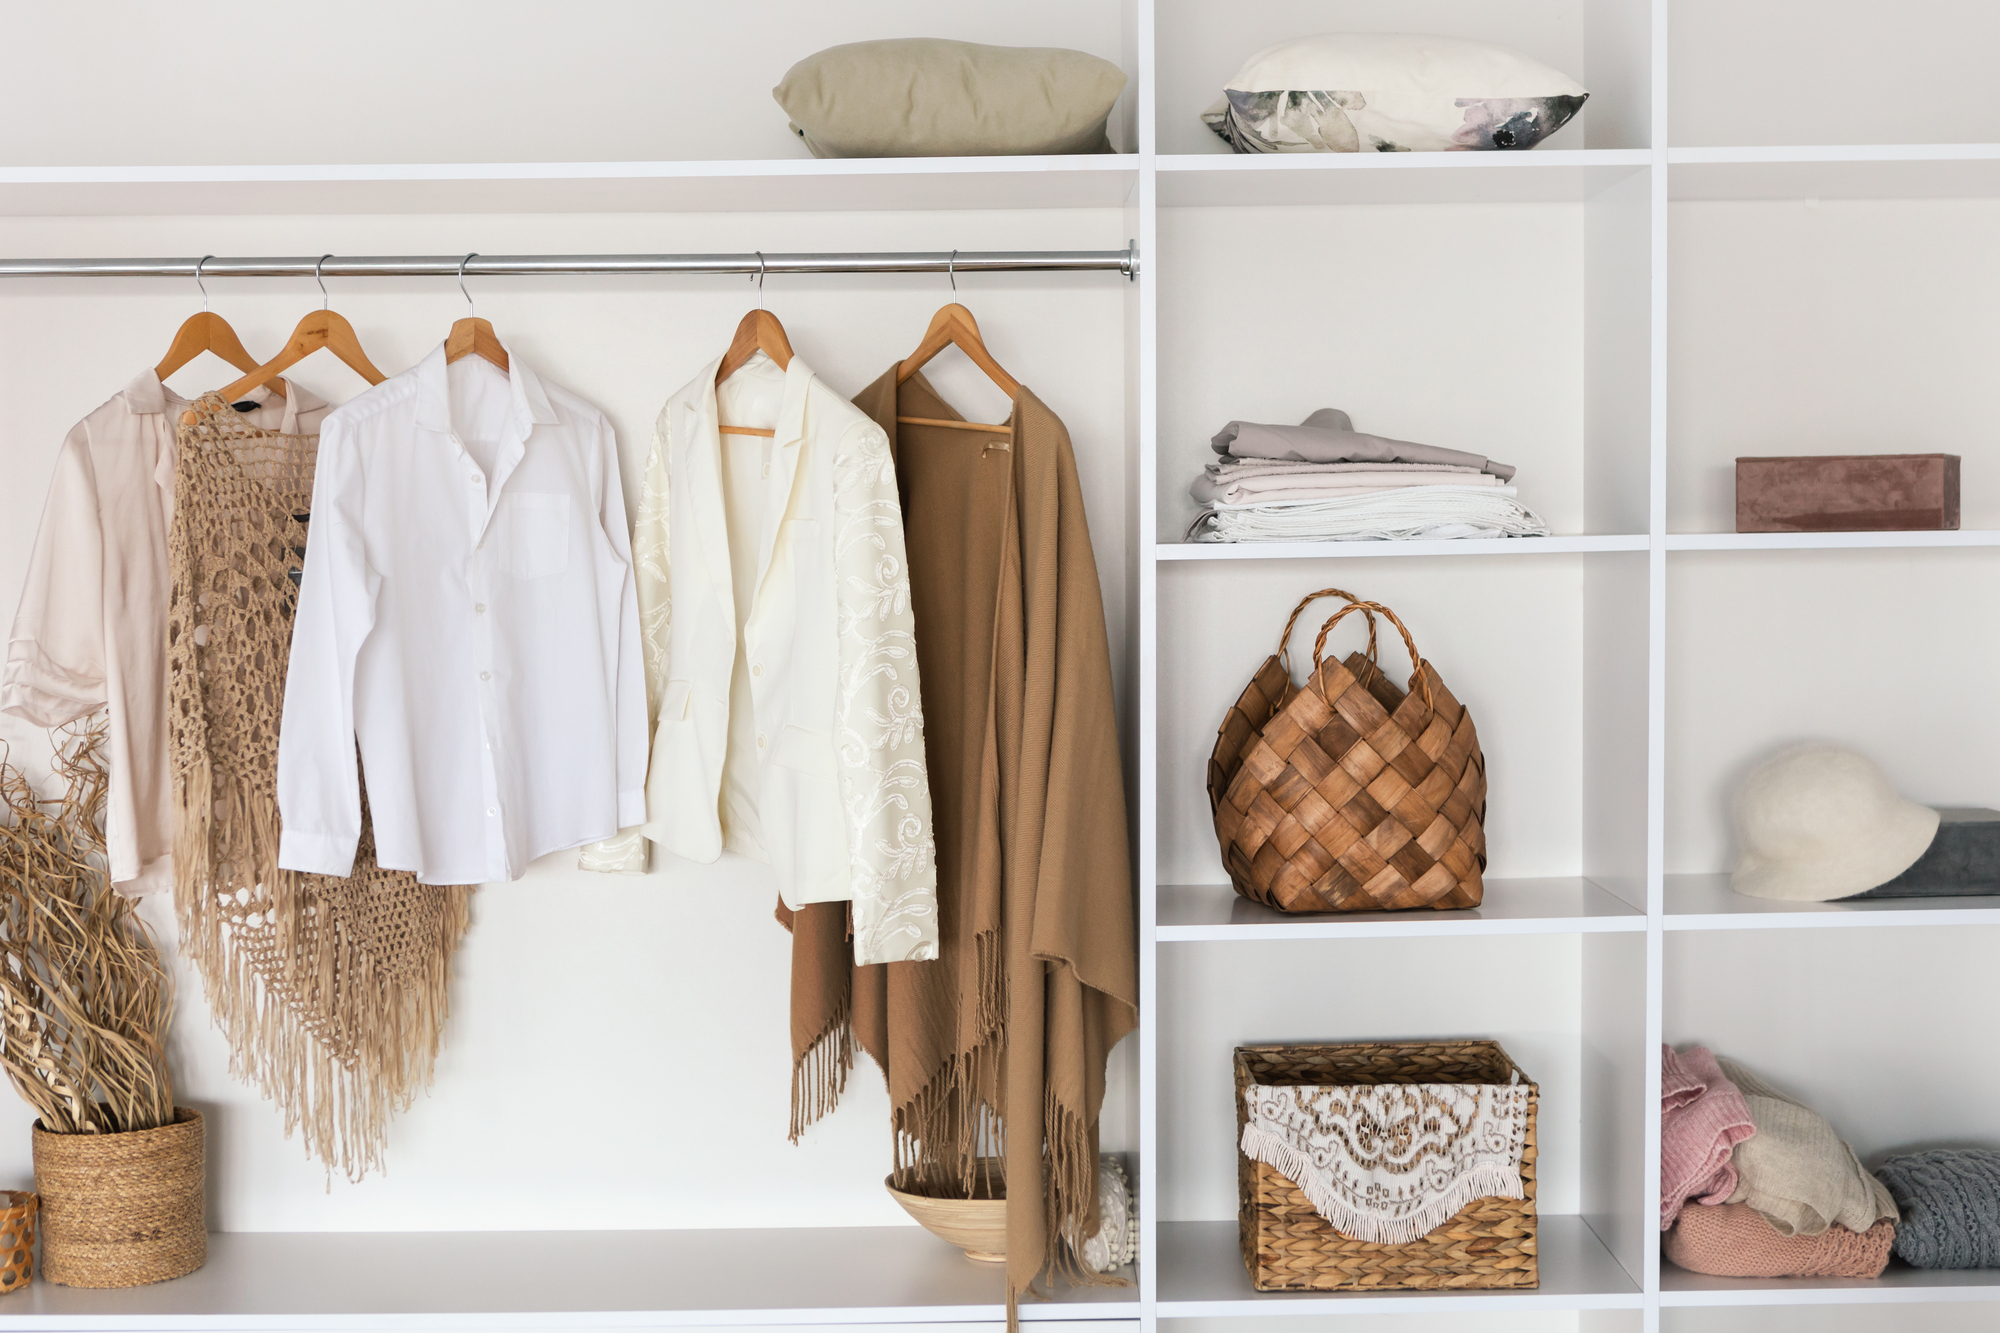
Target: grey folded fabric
1796,1171
1950,1199
1328,436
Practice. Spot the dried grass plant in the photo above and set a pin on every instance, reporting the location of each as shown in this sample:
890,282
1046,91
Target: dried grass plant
84,997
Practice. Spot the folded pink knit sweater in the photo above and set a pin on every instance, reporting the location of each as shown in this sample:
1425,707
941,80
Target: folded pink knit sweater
1702,1117
1734,1240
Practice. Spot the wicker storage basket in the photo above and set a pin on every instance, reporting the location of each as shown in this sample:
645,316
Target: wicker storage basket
1349,795
122,1210
1288,1246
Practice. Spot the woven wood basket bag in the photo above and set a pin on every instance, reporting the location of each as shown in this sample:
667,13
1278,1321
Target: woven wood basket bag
1349,795
1288,1246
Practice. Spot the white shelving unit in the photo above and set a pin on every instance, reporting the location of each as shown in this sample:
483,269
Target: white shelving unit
1542,307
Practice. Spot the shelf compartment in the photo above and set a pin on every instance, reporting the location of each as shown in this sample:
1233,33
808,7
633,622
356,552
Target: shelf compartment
758,185
1201,1276
1577,545
1836,171
1898,1284
1826,541
1197,180
1196,912
1706,902
564,1279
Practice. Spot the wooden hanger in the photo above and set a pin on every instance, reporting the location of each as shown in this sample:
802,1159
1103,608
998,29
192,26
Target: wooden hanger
205,331
472,335
954,326
322,328
760,331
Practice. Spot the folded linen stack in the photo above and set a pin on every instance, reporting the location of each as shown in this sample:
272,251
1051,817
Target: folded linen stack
1753,1184
1323,480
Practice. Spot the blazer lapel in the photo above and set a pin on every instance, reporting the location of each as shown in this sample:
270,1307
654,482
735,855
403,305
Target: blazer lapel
787,442
701,421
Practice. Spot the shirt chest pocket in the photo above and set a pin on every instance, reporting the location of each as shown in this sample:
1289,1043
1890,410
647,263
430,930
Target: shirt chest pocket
531,533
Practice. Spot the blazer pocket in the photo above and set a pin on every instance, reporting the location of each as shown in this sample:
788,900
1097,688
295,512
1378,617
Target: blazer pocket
533,534
805,830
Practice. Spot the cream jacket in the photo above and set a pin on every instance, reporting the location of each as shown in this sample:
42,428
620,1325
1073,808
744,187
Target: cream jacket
91,630
781,665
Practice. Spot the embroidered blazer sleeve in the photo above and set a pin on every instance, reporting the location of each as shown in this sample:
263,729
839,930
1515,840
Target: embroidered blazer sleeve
880,742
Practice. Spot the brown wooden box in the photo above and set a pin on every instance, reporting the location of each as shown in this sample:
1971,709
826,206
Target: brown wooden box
1288,1246
1848,493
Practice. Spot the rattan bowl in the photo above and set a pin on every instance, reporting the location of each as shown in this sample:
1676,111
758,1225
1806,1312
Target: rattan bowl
978,1226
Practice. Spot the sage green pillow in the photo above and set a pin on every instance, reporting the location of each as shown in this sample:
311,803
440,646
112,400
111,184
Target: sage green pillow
928,97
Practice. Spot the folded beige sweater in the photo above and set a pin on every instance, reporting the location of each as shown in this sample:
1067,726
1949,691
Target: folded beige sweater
1796,1171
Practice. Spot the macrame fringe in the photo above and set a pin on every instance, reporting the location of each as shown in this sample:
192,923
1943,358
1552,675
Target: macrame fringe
1479,1182
339,1071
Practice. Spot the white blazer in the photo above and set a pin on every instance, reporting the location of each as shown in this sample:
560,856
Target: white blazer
774,596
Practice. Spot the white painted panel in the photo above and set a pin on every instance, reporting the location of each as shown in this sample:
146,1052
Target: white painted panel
1887,651
1836,327
1460,326
457,80
620,1043
1612,1069
1536,1321
1836,72
1216,997
1970,1317
1846,1021
1202,45
1504,634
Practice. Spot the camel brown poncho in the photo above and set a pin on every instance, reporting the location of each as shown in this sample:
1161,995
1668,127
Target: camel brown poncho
332,991
1006,1034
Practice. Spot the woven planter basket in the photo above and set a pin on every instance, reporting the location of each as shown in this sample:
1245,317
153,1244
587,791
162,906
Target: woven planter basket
1288,1246
122,1210
1349,795
17,1240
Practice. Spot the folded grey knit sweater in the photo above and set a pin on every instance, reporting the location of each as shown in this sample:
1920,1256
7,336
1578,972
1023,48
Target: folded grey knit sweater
1950,1201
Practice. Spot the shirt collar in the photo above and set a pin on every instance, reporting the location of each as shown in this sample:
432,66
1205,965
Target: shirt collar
531,403
147,396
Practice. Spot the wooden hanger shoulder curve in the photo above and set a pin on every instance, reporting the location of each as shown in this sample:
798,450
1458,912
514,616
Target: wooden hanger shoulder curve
473,336
759,331
320,328
954,326
205,331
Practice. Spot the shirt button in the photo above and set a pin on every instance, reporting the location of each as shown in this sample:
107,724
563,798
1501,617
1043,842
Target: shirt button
479,608
760,742
491,812
486,675
756,668
474,479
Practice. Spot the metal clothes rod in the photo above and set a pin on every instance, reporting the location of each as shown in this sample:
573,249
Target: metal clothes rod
1124,261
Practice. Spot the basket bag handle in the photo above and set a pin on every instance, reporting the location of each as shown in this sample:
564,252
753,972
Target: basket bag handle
1285,639
1417,676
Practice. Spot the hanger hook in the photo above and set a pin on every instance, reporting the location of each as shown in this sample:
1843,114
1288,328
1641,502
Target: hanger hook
470,308
951,269
198,266
321,281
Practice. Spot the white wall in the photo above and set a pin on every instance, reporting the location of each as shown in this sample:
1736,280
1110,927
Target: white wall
456,80
618,1047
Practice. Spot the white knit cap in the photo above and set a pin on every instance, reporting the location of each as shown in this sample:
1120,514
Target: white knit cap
1819,822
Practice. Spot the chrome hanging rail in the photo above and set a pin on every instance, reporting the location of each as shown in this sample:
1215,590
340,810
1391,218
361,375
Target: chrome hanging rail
1124,261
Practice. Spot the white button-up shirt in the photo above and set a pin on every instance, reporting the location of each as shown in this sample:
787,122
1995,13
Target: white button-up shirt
468,613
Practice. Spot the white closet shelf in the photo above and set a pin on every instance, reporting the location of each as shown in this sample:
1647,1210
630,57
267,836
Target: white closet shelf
563,1279
1195,180
1825,541
1576,545
1836,171
1900,1284
1706,902
1195,912
763,185
1202,1276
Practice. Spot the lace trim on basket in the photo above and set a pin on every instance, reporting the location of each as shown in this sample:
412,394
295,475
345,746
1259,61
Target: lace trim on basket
1390,1163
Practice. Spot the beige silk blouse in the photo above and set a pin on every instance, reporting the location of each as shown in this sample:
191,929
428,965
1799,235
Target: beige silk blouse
91,630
